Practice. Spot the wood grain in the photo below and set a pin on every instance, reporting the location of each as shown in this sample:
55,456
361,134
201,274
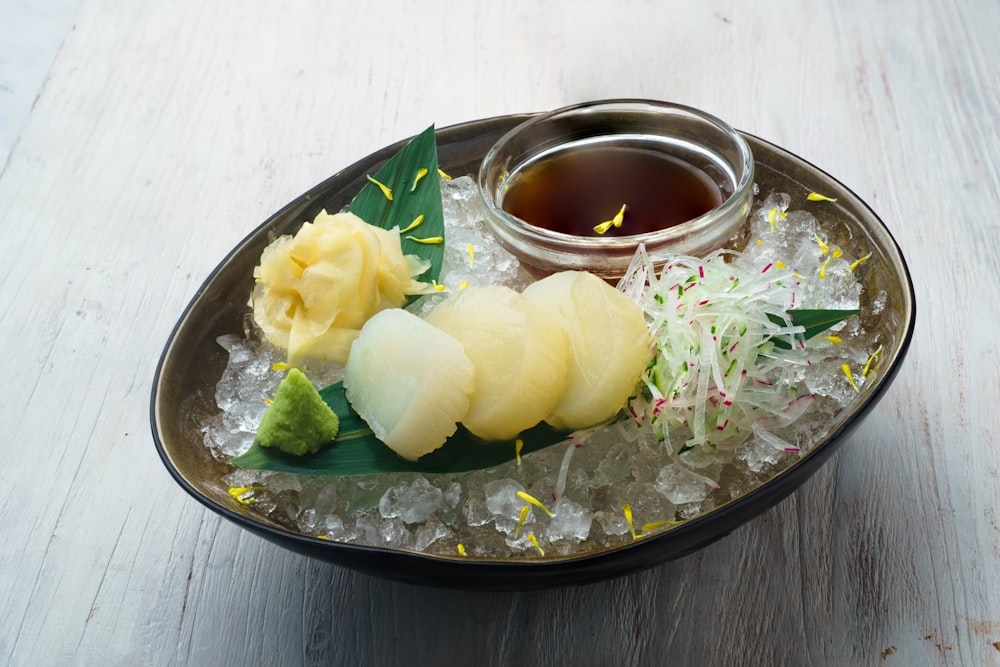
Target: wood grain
166,131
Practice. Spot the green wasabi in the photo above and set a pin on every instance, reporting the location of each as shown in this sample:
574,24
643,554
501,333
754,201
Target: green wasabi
298,421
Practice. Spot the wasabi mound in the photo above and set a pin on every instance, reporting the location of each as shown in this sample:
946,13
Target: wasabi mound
298,421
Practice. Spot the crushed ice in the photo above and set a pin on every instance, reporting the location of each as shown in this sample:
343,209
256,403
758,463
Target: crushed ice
586,487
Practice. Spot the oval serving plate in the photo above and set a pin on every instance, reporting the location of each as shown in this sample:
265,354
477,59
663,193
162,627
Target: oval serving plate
184,385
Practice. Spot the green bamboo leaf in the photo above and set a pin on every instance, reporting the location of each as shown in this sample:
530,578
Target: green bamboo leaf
412,177
818,321
356,451
814,320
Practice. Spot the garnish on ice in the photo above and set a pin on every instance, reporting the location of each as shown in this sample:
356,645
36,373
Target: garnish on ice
728,344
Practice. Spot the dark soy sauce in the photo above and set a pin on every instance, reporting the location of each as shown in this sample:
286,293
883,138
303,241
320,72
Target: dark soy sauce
574,190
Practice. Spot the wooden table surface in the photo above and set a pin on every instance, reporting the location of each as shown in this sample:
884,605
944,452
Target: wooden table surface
157,134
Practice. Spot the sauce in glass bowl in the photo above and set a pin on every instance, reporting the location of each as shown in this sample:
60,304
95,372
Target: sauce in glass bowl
574,191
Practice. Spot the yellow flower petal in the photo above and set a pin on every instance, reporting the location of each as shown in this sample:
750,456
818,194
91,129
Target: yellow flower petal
420,174
858,262
603,227
386,191
850,377
823,247
646,527
616,221
822,269
430,240
534,501
619,217
521,519
875,357
244,494
627,510
417,221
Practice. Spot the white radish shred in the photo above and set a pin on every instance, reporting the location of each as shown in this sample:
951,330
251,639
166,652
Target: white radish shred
716,373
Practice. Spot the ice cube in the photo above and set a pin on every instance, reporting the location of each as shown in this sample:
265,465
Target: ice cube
647,503
307,521
502,499
411,503
612,523
332,527
429,533
616,464
571,522
680,485
758,454
393,533
476,513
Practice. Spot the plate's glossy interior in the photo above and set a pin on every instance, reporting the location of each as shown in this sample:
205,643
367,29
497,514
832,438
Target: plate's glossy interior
192,362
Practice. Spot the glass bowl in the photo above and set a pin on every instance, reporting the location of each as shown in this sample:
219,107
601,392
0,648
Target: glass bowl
703,142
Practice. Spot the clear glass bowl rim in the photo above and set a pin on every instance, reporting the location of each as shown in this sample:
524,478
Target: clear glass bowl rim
744,170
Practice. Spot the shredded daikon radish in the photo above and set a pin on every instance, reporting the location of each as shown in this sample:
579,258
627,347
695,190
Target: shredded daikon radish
716,372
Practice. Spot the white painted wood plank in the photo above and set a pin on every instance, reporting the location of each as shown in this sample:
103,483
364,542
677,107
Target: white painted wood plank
30,37
167,131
